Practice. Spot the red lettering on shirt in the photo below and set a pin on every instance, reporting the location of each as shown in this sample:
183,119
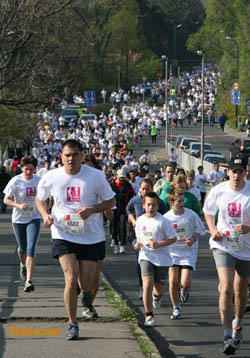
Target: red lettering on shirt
234,210
73,194
31,191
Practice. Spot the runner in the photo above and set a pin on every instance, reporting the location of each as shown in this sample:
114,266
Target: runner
134,210
76,224
154,233
230,243
188,228
20,193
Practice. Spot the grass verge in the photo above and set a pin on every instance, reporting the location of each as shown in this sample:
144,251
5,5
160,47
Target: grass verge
128,315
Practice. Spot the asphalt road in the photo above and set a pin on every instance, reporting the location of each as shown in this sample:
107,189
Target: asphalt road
198,334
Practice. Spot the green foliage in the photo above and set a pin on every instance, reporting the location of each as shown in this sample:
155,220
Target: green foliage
226,19
14,125
105,108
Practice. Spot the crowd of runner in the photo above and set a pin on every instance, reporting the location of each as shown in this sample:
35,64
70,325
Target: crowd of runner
79,175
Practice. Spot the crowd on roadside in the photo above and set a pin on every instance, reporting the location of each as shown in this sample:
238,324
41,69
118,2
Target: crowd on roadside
151,210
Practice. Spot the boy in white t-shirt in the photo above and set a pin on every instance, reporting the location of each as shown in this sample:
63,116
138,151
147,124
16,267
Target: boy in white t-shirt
188,227
154,233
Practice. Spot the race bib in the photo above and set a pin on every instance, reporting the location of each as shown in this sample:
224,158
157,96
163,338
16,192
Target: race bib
29,211
181,232
73,224
146,236
233,241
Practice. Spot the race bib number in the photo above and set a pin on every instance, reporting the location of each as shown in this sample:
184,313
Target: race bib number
29,211
233,241
181,233
73,224
146,236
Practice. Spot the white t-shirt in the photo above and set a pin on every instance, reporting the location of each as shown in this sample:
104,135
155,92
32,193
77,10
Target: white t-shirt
218,175
157,228
196,193
234,208
185,225
200,182
23,191
70,193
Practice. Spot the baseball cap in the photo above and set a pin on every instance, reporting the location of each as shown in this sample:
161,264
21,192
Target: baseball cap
237,163
121,174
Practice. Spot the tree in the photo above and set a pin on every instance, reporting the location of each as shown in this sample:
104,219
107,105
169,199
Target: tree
26,60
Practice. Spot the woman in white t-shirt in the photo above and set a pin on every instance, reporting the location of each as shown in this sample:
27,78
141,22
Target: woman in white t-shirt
20,193
188,227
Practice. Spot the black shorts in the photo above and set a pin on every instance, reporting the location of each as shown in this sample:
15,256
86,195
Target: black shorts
187,267
101,250
83,252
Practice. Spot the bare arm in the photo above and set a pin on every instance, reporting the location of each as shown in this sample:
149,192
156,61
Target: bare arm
215,234
42,207
10,202
85,212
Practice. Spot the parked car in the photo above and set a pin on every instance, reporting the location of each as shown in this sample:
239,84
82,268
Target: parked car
194,148
70,113
215,158
240,146
185,141
89,117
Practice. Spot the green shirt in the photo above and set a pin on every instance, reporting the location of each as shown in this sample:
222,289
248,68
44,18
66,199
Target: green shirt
164,186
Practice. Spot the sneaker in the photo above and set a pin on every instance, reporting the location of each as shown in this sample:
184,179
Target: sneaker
122,250
237,336
28,287
89,313
149,321
228,346
176,314
184,296
140,294
156,301
112,243
73,332
116,249
23,272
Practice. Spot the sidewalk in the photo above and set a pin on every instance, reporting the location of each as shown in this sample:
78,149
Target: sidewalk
42,309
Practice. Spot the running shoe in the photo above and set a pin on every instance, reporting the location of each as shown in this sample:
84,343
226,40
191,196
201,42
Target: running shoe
149,321
237,336
116,249
176,314
89,313
228,346
122,250
156,301
28,287
72,332
140,294
23,272
112,243
184,296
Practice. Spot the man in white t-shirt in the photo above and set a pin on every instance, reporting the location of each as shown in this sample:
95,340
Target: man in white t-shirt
81,194
172,158
216,176
230,243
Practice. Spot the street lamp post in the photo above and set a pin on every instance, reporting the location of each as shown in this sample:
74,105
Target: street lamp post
237,74
118,77
202,54
176,27
164,58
